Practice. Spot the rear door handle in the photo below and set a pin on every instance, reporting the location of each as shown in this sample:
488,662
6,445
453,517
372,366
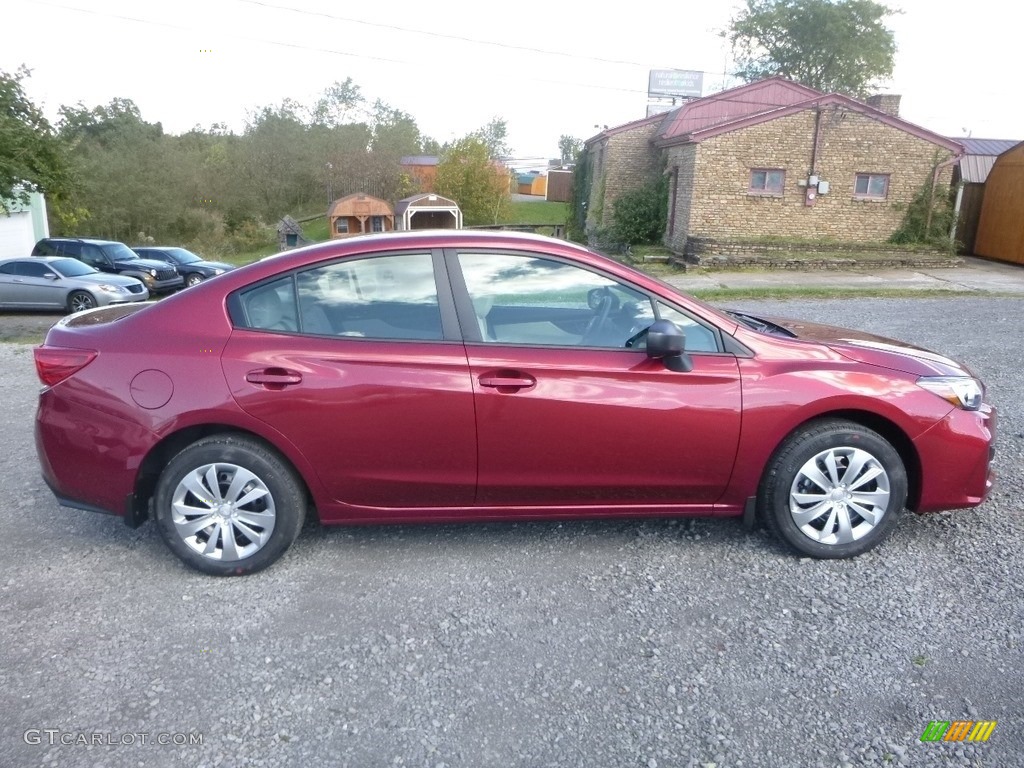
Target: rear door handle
273,378
507,380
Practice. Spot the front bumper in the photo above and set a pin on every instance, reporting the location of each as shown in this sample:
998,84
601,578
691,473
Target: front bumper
956,460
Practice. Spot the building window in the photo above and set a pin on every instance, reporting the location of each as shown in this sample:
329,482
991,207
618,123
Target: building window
871,186
341,226
377,224
766,181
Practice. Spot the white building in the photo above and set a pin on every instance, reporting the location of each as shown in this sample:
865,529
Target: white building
22,226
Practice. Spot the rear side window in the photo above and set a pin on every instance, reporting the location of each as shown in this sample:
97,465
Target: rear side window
381,297
269,307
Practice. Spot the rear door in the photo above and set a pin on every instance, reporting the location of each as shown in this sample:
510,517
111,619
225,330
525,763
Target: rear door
24,285
359,363
569,413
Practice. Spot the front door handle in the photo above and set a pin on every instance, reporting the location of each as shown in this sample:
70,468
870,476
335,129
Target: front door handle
274,378
507,381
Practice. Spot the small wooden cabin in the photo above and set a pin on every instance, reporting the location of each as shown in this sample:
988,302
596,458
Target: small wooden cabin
428,211
1001,226
360,214
289,234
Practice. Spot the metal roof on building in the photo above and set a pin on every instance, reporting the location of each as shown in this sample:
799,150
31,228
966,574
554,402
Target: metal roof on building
980,157
988,146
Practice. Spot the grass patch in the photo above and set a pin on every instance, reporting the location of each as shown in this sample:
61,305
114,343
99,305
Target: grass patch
537,212
35,339
317,230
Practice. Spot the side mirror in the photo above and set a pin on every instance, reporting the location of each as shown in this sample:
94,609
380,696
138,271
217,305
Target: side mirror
50,275
665,341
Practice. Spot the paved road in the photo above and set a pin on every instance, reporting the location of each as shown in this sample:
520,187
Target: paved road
975,275
648,644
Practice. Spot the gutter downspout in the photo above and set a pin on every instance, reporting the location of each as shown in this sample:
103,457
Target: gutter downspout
956,212
935,181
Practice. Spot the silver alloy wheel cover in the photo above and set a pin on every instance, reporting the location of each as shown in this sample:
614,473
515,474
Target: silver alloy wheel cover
223,511
193,280
839,496
82,301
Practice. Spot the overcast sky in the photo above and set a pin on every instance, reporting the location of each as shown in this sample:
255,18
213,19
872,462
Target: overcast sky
547,67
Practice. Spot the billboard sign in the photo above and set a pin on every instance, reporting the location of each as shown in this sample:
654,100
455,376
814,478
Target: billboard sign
675,82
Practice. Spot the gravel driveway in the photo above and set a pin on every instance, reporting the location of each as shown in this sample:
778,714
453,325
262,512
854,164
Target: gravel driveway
666,643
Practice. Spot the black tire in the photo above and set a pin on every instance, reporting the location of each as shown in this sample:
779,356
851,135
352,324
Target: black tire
261,529
193,279
79,301
833,515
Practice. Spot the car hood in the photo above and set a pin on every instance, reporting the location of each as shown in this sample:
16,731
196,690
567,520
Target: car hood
107,279
874,350
147,264
213,265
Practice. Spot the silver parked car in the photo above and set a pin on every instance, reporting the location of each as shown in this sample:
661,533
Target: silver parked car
57,282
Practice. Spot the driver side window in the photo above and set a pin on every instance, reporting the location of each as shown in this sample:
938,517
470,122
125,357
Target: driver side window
539,301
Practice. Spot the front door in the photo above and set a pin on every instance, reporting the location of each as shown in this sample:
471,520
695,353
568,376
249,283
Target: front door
568,414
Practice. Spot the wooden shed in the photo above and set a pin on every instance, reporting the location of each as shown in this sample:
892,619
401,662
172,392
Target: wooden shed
428,211
532,183
359,214
559,185
1001,226
969,177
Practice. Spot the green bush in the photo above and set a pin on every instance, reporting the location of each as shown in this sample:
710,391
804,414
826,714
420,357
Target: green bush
640,215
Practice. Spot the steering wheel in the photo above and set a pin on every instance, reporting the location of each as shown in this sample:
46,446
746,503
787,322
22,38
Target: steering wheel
605,302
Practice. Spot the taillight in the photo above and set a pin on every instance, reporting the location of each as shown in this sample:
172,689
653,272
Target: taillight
54,364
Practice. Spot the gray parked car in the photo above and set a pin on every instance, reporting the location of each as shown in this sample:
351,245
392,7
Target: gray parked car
58,282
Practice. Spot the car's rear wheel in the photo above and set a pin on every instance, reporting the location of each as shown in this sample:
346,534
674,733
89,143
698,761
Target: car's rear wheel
193,279
227,505
833,490
79,301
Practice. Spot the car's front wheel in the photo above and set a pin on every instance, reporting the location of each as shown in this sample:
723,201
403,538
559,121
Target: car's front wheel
834,489
193,279
79,301
227,505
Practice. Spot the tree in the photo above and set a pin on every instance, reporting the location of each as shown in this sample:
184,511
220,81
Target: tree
469,175
338,104
568,148
838,46
495,137
33,158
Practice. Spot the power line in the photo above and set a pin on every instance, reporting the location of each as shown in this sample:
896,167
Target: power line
447,36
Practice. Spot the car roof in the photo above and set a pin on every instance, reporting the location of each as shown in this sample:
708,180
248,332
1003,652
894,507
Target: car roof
92,240
35,259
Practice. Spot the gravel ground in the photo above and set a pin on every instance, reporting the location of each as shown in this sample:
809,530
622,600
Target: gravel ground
665,643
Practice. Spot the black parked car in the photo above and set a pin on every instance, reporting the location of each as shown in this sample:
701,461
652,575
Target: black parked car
117,258
194,269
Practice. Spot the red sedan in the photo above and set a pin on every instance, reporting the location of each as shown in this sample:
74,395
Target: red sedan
451,376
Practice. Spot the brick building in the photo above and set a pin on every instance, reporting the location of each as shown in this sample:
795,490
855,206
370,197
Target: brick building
772,159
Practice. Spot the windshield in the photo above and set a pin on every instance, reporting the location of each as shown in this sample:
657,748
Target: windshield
71,268
182,256
119,252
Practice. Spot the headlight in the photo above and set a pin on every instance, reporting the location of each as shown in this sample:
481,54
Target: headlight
961,391
152,272
218,271
110,288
